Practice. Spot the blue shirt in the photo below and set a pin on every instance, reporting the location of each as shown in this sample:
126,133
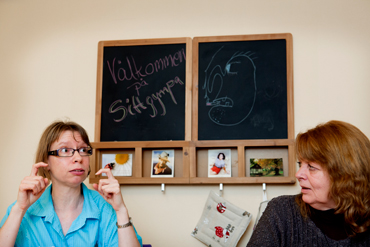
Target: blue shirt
95,226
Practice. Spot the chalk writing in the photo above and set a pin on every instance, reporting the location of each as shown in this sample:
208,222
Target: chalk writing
143,90
138,85
134,72
136,105
130,72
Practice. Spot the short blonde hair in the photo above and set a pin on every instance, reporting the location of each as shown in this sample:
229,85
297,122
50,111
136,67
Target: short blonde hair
344,152
52,134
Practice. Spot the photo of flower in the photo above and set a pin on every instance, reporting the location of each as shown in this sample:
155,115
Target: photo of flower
120,164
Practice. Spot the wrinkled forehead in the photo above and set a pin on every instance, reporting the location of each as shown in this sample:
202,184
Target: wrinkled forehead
68,137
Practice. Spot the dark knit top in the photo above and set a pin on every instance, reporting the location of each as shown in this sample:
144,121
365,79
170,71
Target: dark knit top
283,225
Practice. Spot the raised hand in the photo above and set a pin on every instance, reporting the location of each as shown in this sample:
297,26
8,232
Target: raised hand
110,190
31,187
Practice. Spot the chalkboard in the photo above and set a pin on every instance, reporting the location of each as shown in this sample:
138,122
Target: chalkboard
242,88
143,90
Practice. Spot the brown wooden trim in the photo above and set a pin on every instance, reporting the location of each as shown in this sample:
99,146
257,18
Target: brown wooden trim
191,143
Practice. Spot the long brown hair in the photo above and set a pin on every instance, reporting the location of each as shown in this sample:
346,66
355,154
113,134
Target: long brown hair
344,152
52,134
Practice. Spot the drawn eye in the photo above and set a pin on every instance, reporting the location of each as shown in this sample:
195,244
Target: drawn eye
228,68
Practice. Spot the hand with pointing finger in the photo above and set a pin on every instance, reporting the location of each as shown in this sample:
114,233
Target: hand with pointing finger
110,190
31,187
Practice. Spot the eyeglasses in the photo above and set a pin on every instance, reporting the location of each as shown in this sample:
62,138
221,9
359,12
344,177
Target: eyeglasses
69,152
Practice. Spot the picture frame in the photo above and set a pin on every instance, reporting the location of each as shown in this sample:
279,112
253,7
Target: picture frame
263,167
163,163
219,163
119,163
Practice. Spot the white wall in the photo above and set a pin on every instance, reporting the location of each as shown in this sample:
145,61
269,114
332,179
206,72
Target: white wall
48,55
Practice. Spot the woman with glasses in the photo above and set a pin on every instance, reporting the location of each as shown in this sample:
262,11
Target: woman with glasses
67,213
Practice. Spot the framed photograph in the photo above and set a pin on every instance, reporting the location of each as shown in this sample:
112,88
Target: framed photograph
219,163
266,167
163,163
120,164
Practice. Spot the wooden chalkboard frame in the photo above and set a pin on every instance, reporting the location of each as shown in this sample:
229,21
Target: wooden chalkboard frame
242,145
140,148
147,42
234,39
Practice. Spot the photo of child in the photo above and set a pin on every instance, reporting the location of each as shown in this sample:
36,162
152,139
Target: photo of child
219,163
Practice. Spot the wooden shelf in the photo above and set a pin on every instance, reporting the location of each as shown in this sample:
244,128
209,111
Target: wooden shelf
151,144
188,162
141,165
243,180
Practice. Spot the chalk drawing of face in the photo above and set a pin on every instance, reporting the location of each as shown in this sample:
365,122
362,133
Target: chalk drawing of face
230,88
